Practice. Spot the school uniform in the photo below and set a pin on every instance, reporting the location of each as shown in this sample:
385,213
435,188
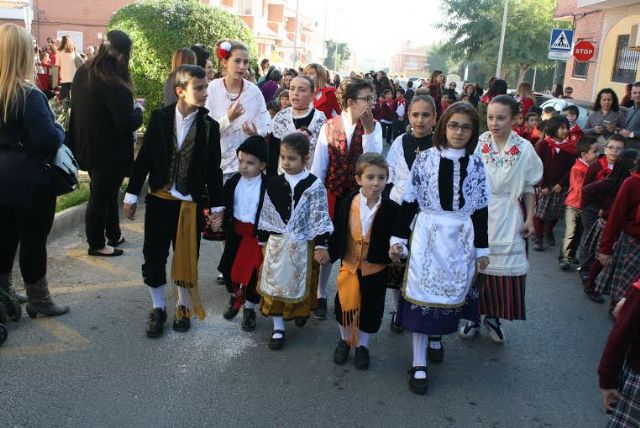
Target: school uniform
573,231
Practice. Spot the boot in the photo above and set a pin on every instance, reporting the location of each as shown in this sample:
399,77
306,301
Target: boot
5,284
40,301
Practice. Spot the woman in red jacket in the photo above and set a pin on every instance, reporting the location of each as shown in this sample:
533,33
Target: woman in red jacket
325,98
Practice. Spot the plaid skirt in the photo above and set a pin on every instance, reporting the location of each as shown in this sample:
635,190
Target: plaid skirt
623,270
550,207
591,243
627,411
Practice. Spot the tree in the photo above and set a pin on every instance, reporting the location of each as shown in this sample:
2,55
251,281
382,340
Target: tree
159,27
438,59
342,54
474,32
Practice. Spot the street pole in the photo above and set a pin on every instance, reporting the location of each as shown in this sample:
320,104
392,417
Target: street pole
555,75
535,72
324,35
295,43
504,29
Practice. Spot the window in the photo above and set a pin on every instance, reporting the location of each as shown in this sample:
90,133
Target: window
580,69
626,65
245,7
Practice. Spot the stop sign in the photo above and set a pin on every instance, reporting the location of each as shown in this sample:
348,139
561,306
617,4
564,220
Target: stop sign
583,51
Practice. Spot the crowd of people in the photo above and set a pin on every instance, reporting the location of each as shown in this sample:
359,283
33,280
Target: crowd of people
442,220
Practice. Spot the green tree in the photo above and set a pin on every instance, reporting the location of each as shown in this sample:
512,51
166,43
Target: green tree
474,32
438,59
159,27
336,51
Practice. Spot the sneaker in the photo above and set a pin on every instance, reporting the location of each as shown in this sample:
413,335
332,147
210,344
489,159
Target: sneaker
321,311
341,353
551,240
436,356
182,321
231,311
469,330
537,245
563,264
157,318
394,326
494,330
362,358
248,320
418,386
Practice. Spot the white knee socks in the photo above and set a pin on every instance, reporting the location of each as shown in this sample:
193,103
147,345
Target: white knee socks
363,339
345,333
249,305
183,298
157,296
278,324
325,273
396,296
419,353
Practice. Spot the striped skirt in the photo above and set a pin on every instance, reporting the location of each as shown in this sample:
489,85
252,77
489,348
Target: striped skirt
496,297
550,207
623,270
627,410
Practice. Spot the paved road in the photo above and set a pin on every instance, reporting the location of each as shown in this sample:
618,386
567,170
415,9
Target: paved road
94,367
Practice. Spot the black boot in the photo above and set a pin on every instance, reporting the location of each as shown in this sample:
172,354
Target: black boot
321,311
39,300
231,311
5,284
248,319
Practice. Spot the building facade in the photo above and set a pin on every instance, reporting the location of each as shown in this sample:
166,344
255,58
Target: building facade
612,27
409,61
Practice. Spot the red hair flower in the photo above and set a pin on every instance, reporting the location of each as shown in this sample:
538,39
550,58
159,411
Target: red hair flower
514,150
224,50
486,148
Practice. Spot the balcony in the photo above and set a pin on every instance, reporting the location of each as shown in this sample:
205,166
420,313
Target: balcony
605,4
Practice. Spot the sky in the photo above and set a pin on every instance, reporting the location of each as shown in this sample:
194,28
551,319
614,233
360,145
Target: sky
375,29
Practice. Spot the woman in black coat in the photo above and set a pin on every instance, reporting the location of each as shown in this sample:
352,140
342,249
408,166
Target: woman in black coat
101,134
29,138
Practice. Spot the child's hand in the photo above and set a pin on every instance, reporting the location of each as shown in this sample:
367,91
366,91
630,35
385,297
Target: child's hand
544,191
235,111
557,188
321,256
528,229
604,259
249,129
483,262
395,252
215,220
618,307
609,398
367,121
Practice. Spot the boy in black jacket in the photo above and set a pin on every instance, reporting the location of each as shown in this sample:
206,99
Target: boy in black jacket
181,155
363,228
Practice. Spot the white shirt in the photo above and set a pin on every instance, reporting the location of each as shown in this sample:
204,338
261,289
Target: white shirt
370,143
246,198
293,180
67,63
367,214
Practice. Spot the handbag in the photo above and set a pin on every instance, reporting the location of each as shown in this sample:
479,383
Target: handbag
63,171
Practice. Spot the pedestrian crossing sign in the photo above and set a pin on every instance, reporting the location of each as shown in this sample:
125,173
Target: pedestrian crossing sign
560,44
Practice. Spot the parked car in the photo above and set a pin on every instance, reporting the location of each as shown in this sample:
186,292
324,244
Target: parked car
560,103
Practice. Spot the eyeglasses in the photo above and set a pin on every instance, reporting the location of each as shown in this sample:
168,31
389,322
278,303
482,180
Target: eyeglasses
455,126
368,98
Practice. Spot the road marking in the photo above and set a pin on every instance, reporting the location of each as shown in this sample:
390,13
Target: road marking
68,339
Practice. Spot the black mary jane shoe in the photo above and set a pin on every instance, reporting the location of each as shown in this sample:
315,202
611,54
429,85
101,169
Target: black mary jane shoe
248,319
275,344
341,353
362,359
436,356
593,295
418,386
182,321
157,318
117,242
394,326
116,252
230,312
300,321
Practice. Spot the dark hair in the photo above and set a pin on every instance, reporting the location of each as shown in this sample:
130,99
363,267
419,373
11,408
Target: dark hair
306,78
619,138
557,90
264,61
284,93
111,64
615,105
202,54
422,98
536,110
553,124
550,109
530,114
573,110
440,134
387,91
622,168
276,75
290,72
497,87
400,91
349,89
371,159
298,142
66,44
184,73
434,75
273,105
410,84
507,101
584,144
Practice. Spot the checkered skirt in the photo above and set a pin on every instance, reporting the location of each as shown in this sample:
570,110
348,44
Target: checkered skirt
591,242
623,270
627,411
550,207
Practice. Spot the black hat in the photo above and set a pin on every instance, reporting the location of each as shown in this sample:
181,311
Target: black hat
255,145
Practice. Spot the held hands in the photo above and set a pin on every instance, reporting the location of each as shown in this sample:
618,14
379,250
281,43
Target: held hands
249,129
235,111
130,211
483,262
395,253
215,220
321,256
544,191
367,121
528,228
557,188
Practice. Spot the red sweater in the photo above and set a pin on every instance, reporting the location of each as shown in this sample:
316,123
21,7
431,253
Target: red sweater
575,133
327,103
525,105
576,176
594,173
557,166
388,110
600,195
625,214
623,343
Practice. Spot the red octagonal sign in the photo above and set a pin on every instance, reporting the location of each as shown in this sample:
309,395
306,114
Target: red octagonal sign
583,51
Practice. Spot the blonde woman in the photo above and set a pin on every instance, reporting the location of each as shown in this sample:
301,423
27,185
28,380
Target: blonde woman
180,56
29,137
324,99
66,60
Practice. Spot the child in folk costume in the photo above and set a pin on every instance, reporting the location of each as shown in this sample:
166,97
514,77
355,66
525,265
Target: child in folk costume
341,142
242,256
401,155
300,117
558,153
449,192
181,155
294,229
513,169
619,250
600,196
361,240
587,149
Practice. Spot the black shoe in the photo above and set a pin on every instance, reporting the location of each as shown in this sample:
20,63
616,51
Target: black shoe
117,242
275,344
563,264
182,321
321,311
248,319
362,358
220,280
116,252
341,354
436,356
537,245
231,312
157,318
594,295
301,321
551,240
418,386
396,328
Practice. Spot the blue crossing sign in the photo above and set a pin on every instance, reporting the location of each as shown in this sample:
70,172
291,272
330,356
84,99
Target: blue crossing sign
560,44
